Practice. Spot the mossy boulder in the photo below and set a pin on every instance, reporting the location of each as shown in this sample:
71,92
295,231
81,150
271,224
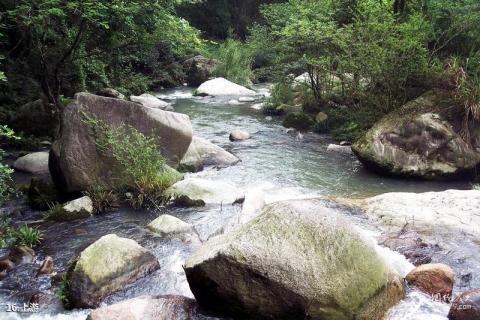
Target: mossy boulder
297,260
299,121
418,140
106,266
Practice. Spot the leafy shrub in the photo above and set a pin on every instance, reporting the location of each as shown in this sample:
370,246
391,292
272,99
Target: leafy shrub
236,62
282,94
145,168
103,200
27,236
63,293
5,171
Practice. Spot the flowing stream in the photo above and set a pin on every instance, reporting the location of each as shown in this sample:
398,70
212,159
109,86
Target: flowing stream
285,164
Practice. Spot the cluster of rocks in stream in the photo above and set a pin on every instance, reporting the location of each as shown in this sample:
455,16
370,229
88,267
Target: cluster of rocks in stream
295,259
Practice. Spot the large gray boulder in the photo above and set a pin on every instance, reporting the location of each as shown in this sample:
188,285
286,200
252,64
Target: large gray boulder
297,260
418,141
222,87
106,266
75,161
199,69
36,162
36,118
151,308
202,153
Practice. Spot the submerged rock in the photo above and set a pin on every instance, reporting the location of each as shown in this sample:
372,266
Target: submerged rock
168,307
107,266
6,265
297,260
434,279
20,255
150,101
75,161
239,135
202,153
35,163
208,191
223,87
417,141
466,306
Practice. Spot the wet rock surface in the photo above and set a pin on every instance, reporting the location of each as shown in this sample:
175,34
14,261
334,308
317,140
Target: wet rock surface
290,263
168,307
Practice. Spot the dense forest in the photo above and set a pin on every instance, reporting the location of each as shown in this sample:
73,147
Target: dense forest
394,84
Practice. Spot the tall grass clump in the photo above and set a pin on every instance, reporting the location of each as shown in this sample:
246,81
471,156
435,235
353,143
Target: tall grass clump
466,85
236,62
145,168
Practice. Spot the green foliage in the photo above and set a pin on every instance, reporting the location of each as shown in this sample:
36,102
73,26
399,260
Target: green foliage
63,293
103,200
145,168
299,121
74,45
236,62
27,236
5,171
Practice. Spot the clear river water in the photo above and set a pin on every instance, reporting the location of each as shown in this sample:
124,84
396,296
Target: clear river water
285,164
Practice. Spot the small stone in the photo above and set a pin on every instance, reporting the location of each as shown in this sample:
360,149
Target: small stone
184,201
239,135
433,279
167,225
21,255
466,306
46,268
7,265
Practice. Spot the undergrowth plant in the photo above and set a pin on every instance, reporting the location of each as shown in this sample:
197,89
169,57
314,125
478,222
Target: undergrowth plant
146,169
62,293
236,62
5,171
104,200
27,236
